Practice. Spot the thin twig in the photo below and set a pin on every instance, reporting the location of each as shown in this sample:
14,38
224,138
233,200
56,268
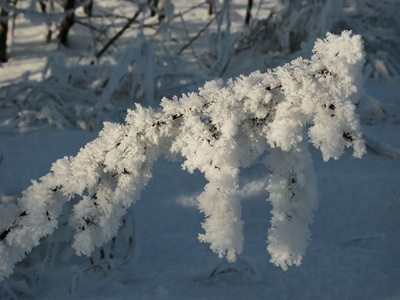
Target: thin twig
394,201
90,26
116,16
119,33
198,34
187,34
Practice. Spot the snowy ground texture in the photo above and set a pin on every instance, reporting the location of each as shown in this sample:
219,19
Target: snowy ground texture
354,251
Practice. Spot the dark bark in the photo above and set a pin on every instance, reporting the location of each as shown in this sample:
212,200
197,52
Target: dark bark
42,5
3,35
88,9
162,8
210,8
43,9
67,23
153,11
248,12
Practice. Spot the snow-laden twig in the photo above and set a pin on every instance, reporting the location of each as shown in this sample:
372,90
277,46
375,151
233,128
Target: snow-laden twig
217,131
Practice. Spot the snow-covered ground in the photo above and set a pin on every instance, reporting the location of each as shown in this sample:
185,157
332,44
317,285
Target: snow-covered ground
354,252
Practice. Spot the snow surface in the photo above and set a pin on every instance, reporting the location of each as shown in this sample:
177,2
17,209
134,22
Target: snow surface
354,251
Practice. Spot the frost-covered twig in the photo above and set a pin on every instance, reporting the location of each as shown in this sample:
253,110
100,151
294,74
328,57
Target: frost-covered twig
293,195
217,131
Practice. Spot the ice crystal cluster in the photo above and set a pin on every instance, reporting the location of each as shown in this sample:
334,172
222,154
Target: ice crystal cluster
217,131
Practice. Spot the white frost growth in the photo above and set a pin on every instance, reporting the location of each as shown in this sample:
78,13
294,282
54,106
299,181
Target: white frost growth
217,131
293,195
343,58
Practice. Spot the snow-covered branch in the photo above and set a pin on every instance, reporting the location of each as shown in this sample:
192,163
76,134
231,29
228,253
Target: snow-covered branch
217,131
